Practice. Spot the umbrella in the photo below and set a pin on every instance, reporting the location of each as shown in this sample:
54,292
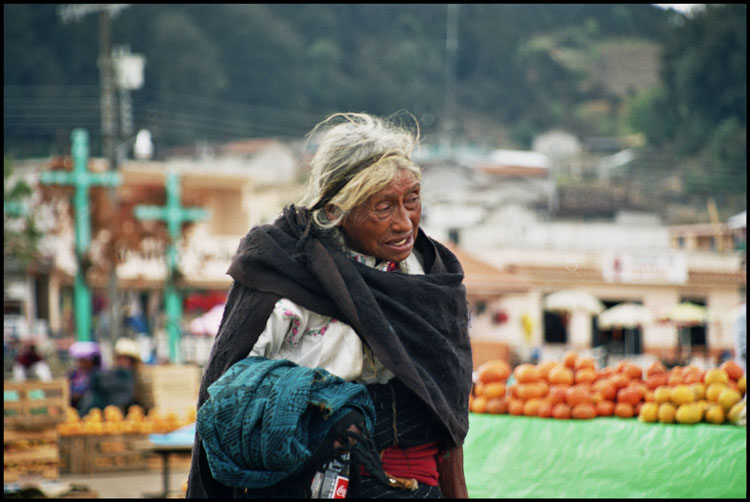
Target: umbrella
687,314
208,323
570,300
624,315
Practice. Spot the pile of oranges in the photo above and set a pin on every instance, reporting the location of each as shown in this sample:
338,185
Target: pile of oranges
111,421
575,388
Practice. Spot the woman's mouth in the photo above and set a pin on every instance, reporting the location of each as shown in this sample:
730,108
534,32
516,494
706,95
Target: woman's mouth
404,243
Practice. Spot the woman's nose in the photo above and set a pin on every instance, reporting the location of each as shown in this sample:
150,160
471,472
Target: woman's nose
401,220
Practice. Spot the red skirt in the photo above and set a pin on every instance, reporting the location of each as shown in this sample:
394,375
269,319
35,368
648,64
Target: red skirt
417,462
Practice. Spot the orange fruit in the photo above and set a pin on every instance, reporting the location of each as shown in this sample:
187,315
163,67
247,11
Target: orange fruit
561,410
619,380
526,373
605,373
528,391
494,389
478,404
656,380
577,395
557,394
732,369
742,384
545,367
606,388
560,375
583,411
629,395
584,362
675,376
479,389
545,409
624,410
632,370
494,370
585,375
531,407
497,405
569,359
543,386
515,406
655,368
605,408
596,397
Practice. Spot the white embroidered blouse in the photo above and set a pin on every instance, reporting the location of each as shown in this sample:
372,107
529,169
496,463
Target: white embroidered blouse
317,341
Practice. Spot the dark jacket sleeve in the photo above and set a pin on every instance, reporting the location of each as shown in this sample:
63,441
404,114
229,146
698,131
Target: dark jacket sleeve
245,316
451,474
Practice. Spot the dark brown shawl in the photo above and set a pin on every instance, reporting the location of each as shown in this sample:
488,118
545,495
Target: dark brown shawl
416,325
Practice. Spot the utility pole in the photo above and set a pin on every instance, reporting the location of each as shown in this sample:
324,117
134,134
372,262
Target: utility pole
449,103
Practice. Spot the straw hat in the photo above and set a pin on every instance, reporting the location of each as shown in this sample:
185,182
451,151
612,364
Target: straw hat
127,347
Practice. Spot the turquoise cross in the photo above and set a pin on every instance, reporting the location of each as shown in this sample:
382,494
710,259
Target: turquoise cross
174,214
81,179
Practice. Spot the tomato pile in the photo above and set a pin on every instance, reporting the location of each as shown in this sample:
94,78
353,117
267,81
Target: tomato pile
575,388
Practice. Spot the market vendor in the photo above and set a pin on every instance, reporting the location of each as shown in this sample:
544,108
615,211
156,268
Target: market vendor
88,361
348,283
117,385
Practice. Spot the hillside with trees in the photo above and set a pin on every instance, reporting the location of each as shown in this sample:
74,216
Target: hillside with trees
227,71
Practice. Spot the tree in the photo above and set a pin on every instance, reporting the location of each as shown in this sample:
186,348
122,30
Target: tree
21,233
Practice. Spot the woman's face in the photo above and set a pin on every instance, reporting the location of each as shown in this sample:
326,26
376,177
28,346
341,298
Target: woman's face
385,225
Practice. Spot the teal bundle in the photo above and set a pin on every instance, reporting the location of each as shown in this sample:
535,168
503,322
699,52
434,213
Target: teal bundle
264,419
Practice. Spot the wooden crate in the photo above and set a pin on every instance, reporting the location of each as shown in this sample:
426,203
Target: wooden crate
35,404
29,454
171,387
73,455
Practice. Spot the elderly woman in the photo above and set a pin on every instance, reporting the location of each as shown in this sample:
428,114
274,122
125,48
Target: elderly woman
347,284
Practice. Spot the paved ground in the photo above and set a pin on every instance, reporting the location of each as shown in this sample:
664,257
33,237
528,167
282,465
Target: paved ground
132,484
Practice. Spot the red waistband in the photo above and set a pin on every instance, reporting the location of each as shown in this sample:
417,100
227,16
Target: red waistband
416,462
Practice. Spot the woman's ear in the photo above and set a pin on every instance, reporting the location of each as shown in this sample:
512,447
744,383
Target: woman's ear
332,212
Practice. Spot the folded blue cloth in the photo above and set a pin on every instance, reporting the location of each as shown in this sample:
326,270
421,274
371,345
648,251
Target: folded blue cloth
183,436
264,419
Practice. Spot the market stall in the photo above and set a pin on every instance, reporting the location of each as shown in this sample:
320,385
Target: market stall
510,456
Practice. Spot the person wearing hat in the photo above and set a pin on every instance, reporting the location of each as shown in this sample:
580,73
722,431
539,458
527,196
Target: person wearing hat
116,386
88,361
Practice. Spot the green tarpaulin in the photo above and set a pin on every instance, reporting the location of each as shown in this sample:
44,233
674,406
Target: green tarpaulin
510,456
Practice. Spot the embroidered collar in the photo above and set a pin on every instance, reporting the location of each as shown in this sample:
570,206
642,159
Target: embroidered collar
370,261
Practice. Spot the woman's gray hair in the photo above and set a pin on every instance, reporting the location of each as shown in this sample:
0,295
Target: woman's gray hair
357,157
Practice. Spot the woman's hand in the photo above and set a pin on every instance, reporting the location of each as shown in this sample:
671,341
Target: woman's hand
352,428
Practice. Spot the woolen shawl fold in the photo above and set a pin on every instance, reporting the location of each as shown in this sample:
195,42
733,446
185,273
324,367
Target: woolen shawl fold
415,325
